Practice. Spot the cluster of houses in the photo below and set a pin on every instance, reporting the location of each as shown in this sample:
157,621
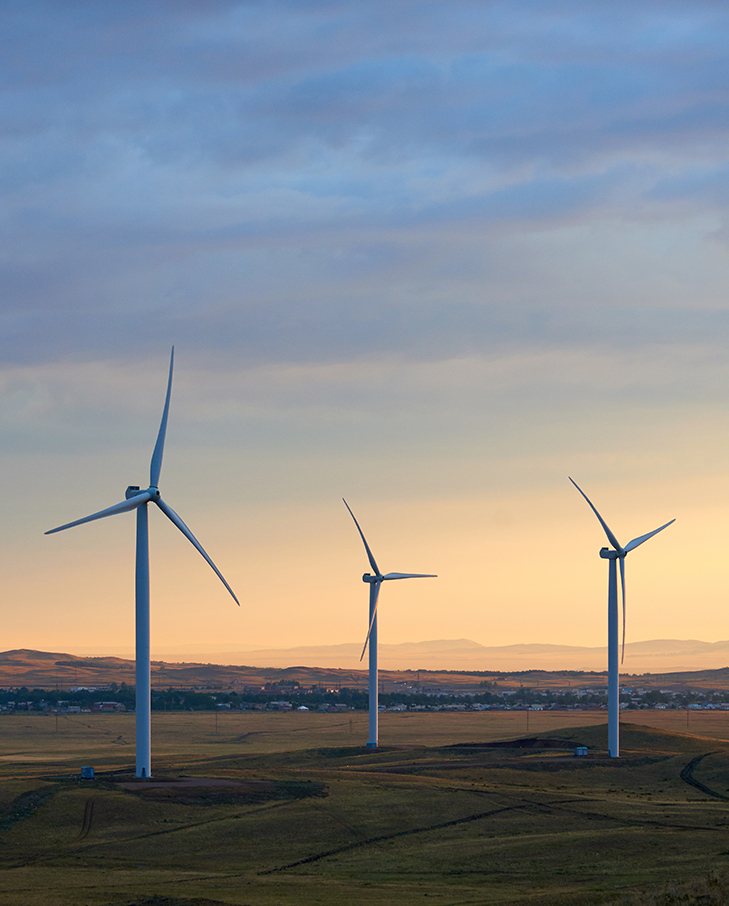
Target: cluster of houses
333,707
590,699
61,707
404,697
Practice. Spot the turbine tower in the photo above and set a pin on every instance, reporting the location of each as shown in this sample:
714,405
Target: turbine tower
617,553
375,581
136,499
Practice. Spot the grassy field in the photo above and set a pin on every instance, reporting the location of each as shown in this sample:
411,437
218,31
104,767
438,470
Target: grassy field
309,816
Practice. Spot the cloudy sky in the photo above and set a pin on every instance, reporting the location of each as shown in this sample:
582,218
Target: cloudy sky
430,256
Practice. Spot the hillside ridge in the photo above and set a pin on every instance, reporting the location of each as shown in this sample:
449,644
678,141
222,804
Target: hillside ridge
53,670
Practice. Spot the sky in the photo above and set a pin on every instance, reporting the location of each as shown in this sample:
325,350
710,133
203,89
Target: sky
433,257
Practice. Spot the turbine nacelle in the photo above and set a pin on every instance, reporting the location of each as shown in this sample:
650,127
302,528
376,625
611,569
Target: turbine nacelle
134,491
607,553
368,577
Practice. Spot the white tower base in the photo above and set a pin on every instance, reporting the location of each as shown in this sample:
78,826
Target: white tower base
143,702
373,678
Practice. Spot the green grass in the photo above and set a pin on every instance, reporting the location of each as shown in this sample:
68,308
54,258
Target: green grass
420,820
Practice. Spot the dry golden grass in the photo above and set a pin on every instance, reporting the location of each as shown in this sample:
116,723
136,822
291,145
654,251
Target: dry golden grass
109,738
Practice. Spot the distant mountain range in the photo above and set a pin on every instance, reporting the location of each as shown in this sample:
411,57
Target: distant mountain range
339,665
654,656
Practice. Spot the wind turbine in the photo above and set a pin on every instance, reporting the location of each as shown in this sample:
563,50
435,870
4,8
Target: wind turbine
375,581
618,553
136,499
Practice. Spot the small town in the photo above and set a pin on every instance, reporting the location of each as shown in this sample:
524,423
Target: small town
402,697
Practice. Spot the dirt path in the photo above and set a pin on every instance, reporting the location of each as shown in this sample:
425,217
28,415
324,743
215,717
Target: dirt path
87,819
687,775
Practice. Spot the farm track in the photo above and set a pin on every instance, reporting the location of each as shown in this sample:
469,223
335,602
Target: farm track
527,804
182,828
87,819
687,775
385,837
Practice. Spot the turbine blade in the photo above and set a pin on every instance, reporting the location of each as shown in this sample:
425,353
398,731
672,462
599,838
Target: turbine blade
374,614
611,538
173,517
622,583
131,504
636,542
159,448
410,576
374,566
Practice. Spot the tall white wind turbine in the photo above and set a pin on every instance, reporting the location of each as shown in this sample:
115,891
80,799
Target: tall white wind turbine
375,581
618,553
136,499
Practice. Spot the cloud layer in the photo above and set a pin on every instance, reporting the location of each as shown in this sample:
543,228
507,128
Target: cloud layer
316,181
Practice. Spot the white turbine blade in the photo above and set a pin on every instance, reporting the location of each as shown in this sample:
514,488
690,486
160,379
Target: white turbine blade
122,507
173,517
374,614
636,542
159,448
410,576
622,583
611,538
374,566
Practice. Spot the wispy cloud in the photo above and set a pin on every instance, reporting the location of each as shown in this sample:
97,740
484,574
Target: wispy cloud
215,163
